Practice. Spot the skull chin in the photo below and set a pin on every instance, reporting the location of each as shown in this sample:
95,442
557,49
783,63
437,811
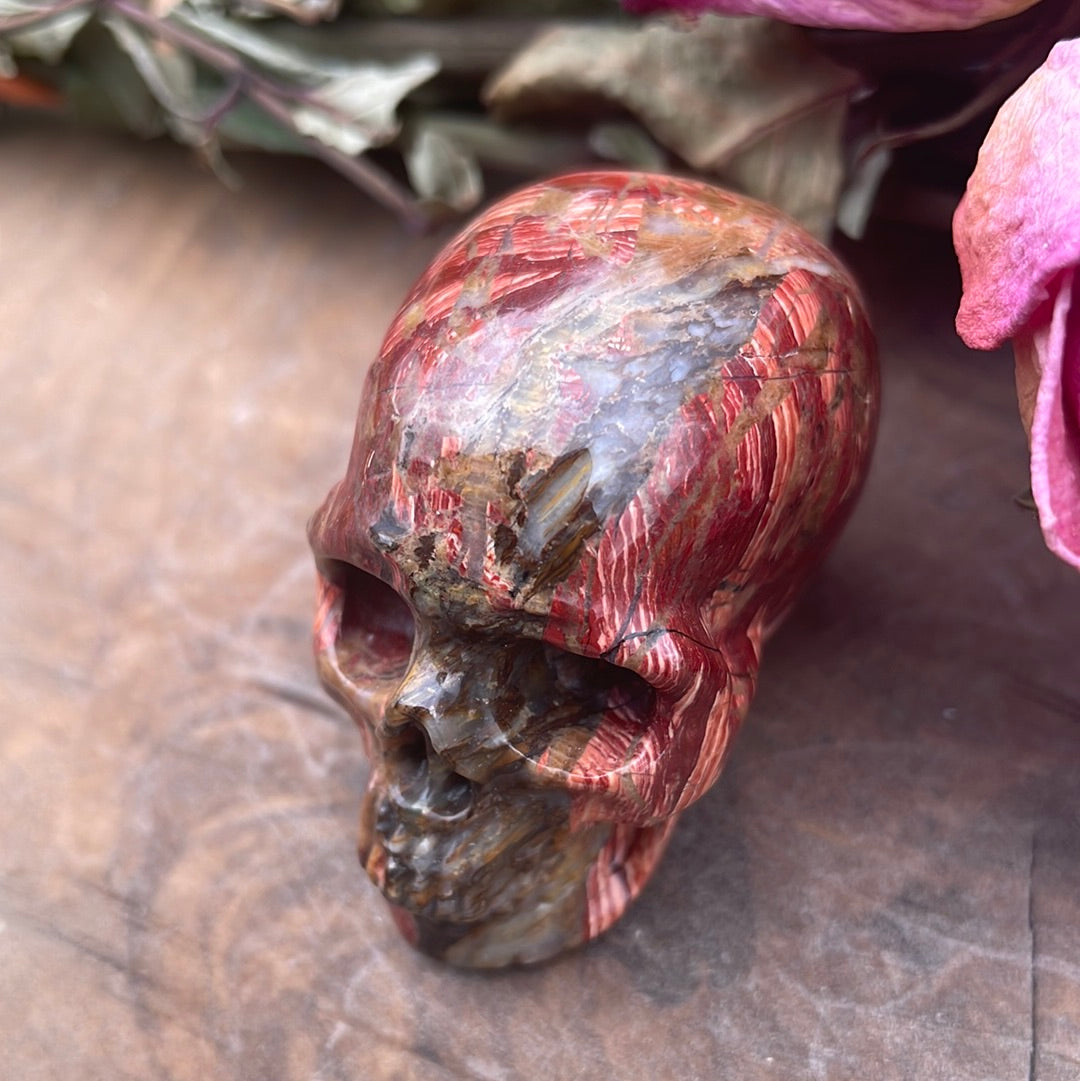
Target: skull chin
505,880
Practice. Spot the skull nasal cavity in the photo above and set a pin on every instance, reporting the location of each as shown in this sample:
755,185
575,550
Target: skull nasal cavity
425,782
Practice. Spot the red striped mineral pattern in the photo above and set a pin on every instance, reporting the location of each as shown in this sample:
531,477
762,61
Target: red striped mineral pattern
611,430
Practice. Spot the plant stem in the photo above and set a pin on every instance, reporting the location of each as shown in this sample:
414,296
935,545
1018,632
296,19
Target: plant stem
212,55
363,174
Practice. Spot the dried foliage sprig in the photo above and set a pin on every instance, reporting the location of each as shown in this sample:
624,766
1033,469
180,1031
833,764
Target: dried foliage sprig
213,77
754,105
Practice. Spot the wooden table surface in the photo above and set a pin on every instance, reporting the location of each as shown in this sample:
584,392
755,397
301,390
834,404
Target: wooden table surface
884,885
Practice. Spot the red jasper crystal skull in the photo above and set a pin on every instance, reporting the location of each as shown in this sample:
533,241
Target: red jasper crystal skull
611,429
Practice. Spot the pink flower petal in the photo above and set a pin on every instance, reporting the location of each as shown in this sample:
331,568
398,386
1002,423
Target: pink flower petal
1017,236
853,14
1054,350
1018,225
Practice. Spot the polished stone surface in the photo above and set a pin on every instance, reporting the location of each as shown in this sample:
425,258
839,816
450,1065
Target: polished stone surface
610,433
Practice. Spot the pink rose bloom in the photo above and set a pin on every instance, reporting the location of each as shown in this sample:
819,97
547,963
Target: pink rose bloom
853,14
1017,235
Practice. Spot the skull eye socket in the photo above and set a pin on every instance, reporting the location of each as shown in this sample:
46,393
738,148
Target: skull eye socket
609,687
376,631
572,702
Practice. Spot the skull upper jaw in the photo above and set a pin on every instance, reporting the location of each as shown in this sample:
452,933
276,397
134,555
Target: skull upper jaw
533,896
478,875
524,902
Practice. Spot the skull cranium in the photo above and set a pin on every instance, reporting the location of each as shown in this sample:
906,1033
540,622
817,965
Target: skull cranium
610,431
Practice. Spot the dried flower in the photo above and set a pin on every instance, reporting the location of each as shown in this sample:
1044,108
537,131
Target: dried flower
853,14
1017,235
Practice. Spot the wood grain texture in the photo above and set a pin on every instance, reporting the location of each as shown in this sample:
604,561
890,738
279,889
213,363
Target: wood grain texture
885,882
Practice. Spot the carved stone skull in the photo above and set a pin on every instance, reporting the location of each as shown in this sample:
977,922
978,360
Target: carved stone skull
609,432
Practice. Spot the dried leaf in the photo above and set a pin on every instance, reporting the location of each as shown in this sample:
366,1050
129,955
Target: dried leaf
744,99
857,200
246,125
49,39
350,139
348,106
273,56
627,144
301,11
440,171
358,109
169,75
101,85
161,8
518,149
798,167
